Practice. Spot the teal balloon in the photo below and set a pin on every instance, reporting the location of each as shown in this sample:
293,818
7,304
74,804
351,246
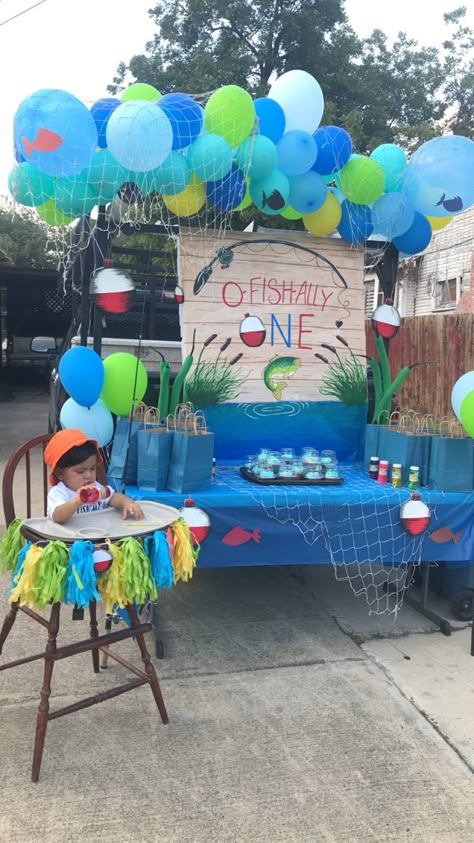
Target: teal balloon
105,176
210,156
257,157
170,178
28,186
270,195
392,159
307,192
74,198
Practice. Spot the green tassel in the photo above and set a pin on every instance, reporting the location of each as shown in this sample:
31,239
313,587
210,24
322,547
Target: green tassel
10,546
136,572
51,578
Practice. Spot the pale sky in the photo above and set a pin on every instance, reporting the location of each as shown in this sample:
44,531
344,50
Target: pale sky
77,45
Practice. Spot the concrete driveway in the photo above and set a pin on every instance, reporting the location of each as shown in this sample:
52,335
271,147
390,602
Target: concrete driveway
294,716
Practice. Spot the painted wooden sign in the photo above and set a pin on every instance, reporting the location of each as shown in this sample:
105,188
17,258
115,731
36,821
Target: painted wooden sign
281,299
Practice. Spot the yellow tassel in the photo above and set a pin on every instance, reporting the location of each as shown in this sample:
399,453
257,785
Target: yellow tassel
184,552
110,584
24,591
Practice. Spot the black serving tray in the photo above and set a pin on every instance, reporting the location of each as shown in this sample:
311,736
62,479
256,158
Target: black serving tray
288,481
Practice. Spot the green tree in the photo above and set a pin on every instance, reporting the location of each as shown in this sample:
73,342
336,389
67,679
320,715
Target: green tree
459,73
24,241
379,92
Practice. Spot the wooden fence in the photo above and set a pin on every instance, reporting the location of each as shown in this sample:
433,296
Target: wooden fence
447,339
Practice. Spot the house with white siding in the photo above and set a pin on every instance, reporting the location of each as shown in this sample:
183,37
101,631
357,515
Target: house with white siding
439,280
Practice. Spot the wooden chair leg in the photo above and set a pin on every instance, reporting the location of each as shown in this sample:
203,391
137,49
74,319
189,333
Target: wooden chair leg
43,709
149,669
8,622
94,634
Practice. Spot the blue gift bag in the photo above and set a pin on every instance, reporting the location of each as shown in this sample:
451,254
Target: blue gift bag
407,449
191,456
154,452
371,449
123,469
451,464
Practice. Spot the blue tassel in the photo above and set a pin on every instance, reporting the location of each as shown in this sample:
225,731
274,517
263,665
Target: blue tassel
157,550
81,578
19,565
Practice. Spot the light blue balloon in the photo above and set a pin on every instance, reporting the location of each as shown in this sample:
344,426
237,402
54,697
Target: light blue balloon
256,156
392,215
74,197
296,152
139,135
270,194
393,161
307,192
95,422
210,156
170,178
463,385
55,133
439,179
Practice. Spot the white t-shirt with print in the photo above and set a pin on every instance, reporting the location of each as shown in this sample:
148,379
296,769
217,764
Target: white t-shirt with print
61,493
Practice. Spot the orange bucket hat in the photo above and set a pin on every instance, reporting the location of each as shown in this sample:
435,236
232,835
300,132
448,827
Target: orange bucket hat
60,444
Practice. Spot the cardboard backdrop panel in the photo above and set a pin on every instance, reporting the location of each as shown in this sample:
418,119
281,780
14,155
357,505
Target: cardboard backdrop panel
278,302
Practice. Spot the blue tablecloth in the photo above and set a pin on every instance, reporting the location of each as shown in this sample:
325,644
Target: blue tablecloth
354,523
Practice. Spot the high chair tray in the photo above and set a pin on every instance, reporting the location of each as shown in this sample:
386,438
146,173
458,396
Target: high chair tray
103,524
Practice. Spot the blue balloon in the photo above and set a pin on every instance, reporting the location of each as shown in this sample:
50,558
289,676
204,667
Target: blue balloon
393,161
392,215
439,179
95,422
271,118
334,149
55,132
172,177
228,192
417,238
81,372
296,152
270,194
101,111
210,157
185,116
307,192
356,223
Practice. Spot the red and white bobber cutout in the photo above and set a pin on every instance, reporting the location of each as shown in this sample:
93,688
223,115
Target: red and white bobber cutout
386,320
415,516
102,560
111,289
197,520
178,294
252,331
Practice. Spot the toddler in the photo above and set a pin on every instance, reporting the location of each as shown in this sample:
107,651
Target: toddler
73,460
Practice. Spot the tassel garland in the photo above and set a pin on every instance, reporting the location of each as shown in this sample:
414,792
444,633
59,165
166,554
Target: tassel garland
81,585
158,551
110,584
24,590
10,546
185,554
136,572
51,576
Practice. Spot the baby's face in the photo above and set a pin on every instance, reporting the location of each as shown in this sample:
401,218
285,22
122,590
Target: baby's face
80,475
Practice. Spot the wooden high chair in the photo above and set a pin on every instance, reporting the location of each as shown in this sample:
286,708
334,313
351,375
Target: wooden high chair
52,652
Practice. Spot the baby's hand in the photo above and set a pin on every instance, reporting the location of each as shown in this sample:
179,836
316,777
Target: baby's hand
131,507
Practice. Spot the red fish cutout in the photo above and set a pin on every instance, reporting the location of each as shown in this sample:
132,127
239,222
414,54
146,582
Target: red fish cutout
238,536
45,141
444,535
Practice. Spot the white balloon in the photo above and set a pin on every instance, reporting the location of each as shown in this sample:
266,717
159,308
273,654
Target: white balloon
463,385
301,98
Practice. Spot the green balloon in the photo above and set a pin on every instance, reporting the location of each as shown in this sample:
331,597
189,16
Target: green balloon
28,186
104,176
361,180
290,214
466,413
141,91
125,382
50,214
230,113
74,197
